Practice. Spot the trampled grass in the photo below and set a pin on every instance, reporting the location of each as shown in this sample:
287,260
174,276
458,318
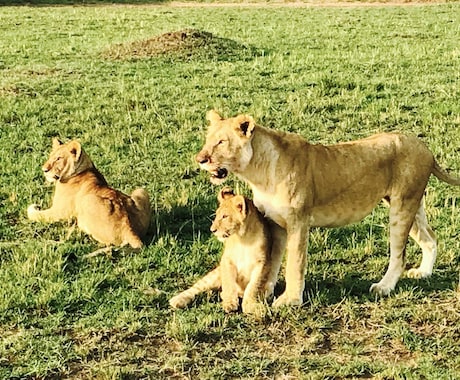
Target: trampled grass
330,74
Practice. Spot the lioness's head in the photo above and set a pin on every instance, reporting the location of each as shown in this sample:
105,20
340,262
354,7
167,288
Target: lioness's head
65,161
228,145
230,215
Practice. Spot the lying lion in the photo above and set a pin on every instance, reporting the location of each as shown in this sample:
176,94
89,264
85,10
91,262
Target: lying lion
245,264
299,185
81,192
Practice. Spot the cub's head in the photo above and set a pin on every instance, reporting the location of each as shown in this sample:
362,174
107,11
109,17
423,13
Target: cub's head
65,161
230,215
228,146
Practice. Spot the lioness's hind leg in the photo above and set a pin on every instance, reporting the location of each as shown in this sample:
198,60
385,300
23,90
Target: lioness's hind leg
424,236
402,213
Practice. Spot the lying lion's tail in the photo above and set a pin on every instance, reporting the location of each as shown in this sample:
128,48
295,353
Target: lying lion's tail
142,201
441,174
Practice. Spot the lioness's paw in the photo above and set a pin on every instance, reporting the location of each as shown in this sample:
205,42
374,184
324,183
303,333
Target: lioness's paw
285,300
417,273
32,210
380,289
179,302
230,305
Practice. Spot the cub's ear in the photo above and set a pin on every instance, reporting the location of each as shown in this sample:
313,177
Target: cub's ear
225,193
213,117
245,125
56,143
240,204
75,149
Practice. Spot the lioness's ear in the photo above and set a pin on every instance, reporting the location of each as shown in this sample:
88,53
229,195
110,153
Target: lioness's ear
56,143
245,125
75,149
240,203
225,193
213,117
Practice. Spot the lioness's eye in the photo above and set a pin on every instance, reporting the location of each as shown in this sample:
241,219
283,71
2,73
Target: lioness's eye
224,216
221,142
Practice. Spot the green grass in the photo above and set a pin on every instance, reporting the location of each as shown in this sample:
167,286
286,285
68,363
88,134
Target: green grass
330,74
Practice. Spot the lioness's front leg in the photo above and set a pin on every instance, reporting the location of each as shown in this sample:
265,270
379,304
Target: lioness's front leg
276,257
297,247
53,214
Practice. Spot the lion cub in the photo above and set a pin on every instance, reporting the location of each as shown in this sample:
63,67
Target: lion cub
244,269
81,192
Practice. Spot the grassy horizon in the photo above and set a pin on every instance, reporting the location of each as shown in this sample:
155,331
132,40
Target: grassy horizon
329,74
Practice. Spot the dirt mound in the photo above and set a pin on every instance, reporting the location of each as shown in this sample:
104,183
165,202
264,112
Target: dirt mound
185,44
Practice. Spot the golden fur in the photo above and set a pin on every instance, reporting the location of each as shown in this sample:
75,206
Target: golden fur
244,269
299,185
81,192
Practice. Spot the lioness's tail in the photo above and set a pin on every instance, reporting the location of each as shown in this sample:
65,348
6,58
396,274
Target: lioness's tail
441,174
142,202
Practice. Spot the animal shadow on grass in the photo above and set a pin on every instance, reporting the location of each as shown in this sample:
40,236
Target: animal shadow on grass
183,222
355,283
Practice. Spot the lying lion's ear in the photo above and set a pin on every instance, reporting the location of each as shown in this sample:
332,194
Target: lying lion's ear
225,193
75,149
213,117
240,203
245,125
56,143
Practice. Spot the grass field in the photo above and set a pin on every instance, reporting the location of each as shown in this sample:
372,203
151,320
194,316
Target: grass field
330,74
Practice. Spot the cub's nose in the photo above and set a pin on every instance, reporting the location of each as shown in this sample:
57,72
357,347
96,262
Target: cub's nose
45,169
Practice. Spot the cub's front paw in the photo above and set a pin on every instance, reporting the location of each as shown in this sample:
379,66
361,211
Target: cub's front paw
179,301
230,305
32,211
286,300
254,308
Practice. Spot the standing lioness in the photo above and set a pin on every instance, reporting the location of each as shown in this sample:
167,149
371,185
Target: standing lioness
299,185
81,192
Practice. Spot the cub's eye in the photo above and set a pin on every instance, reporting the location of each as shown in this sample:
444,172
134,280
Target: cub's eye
224,216
221,142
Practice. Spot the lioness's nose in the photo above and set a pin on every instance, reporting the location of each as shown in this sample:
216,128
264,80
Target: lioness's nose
213,229
202,158
45,169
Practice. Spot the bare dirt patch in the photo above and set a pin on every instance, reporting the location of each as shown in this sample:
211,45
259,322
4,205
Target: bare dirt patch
184,44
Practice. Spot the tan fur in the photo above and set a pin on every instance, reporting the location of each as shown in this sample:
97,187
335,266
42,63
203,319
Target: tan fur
244,268
81,192
299,185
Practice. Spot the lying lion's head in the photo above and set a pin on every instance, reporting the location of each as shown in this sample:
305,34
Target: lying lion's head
65,161
228,146
230,215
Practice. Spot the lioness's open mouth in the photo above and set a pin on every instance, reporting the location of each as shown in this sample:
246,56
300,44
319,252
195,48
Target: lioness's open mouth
219,175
